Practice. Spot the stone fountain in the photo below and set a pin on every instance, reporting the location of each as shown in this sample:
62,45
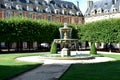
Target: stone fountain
65,40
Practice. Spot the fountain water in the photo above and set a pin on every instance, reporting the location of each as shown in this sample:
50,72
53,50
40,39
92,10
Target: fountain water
65,40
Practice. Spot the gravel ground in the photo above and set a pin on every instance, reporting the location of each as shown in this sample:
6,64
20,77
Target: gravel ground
53,69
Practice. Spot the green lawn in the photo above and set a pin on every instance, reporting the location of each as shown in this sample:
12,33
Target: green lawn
10,67
97,71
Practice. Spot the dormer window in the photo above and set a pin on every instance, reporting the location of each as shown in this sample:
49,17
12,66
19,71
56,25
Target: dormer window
114,10
63,11
37,8
27,1
106,11
18,7
93,12
71,12
78,13
56,11
48,10
100,10
8,6
29,8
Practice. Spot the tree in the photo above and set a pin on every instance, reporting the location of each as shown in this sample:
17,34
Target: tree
93,50
107,31
53,49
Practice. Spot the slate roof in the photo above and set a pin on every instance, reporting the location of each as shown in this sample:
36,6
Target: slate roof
104,5
54,4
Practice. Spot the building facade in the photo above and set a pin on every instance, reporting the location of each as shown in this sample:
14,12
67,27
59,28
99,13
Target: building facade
100,10
51,10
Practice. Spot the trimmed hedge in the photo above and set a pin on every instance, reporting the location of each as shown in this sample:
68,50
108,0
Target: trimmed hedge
93,50
53,49
21,29
107,31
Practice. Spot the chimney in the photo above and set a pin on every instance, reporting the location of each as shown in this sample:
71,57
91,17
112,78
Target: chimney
77,4
89,3
114,1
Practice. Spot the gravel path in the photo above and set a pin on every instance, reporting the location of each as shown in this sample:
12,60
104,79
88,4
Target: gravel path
44,72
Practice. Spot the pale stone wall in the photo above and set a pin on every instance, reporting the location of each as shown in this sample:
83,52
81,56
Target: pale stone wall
101,17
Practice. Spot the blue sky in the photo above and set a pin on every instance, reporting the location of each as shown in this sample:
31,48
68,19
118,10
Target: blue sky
82,3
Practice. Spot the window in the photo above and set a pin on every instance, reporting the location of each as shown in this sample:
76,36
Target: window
65,20
93,12
37,8
19,13
100,10
48,10
8,14
78,13
30,15
63,11
56,11
8,6
71,12
18,7
40,17
49,18
106,11
29,8
114,10
2,44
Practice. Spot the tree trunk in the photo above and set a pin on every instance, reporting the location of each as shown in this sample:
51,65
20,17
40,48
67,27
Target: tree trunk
0,47
8,46
110,48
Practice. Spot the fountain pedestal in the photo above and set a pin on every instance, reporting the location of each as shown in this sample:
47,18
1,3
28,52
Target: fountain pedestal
65,40
65,52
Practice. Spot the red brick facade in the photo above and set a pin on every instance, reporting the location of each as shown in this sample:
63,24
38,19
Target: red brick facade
54,17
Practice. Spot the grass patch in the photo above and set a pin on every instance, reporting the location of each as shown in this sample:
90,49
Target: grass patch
96,71
10,67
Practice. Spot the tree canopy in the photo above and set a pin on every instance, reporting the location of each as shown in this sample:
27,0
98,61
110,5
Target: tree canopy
107,31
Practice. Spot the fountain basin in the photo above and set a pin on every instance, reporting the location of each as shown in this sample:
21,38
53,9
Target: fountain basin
72,57
65,40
